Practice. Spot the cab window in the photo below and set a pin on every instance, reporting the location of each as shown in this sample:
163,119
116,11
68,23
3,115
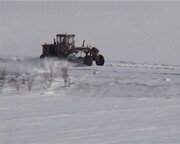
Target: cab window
71,40
63,39
58,39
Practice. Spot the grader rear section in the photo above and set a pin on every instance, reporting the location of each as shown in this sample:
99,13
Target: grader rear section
64,47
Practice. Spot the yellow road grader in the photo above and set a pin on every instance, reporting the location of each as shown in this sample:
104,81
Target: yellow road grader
64,47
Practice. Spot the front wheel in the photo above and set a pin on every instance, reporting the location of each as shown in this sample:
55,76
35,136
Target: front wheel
88,60
100,61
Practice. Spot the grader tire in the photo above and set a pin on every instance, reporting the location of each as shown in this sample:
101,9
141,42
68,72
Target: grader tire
88,60
42,56
100,61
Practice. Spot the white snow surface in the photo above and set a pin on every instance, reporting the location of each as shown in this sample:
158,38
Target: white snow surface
119,102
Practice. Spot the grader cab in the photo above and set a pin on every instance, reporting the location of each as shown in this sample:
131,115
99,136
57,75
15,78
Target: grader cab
64,47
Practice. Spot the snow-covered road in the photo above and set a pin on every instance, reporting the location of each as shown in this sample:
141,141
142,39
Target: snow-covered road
117,103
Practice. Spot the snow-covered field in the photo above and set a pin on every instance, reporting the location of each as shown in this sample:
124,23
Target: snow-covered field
120,102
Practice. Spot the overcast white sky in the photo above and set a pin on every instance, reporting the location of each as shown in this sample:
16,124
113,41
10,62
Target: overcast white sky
146,32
